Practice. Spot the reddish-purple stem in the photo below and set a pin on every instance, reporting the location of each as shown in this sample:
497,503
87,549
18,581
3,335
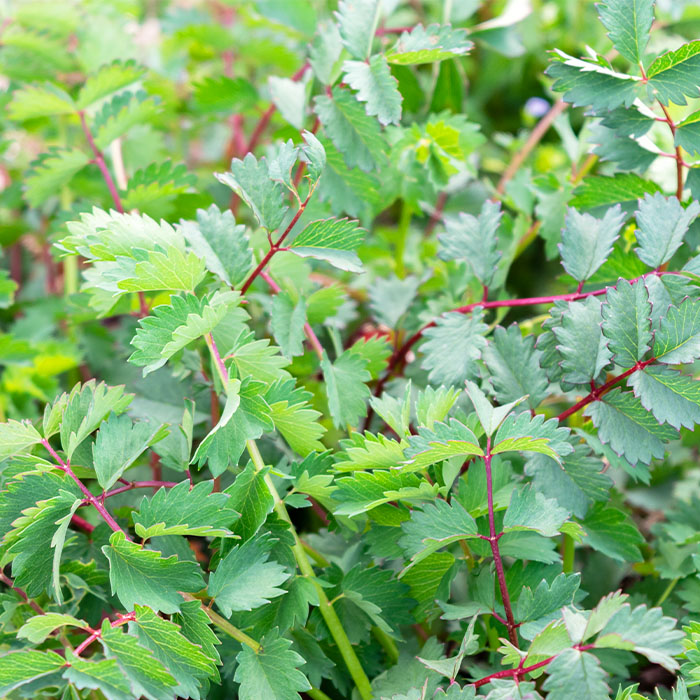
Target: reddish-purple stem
597,392
65,466
520,671
100,162
82,524
154,484
493,541
96,634
11,584
275,247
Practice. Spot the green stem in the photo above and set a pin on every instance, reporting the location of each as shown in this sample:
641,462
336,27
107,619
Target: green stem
327,612
388,644
316,694
225,626
667,591
401,236
567,553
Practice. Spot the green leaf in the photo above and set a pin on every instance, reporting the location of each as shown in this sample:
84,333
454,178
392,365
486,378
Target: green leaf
375,351
45,100
582,346
20,667
287,320
36,543
314,155
444,440
645,631
381,596
489,417
613,533
271,673
346,389
223,94
575,673
142,576
120,114
514,367
575,483
332,240
453,347
396,413
376,87
428,45
369,451
17,437
196,626
87,406
434,404
591,83
185,510
349,190
628,428
628,23
602,191
391,297
688,135
662,223
294,418
233,401
325,50
39,627
536,608
245,579
171,327
474,240
677,341
104,675
356,135
51,171
587,241
171,270
674,75
289,96
252,499
672,397
147,675
627,322
364,491
154,189
251,180
437,525
450,667
530,510
526,433
187,663
110,78
357,20
119,443
625,151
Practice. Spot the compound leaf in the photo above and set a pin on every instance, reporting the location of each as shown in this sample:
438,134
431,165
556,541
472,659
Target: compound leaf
20,667
628,23
674,75
444,440
345,387
428,45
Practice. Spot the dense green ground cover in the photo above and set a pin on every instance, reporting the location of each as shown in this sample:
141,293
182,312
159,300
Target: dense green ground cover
348,349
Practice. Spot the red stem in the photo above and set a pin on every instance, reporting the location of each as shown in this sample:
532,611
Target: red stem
100,162
11,584
597,392
678,156
139,485
82,524
275,247
65,466
493,541
517,673
96,634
